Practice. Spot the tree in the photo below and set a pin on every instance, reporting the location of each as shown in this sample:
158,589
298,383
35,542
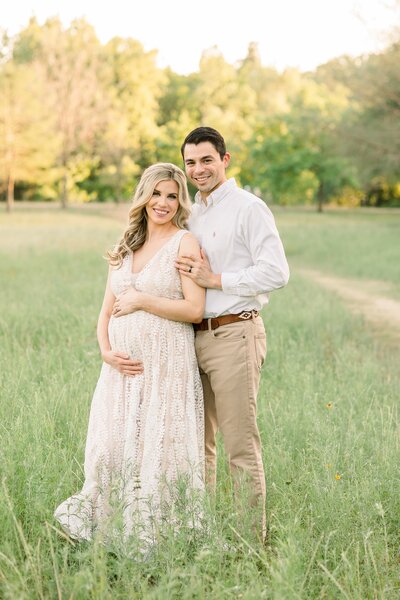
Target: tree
370,128
226,102
27,146
293,156
133,83
271,88
179,113
71,63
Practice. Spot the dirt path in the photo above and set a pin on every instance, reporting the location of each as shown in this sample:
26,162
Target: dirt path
365,297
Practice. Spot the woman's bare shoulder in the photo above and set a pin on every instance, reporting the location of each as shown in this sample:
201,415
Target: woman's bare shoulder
189,243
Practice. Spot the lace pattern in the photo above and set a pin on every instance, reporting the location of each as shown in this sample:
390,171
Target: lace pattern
145,432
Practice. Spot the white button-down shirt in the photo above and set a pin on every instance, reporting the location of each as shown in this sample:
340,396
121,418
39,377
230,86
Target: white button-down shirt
238,233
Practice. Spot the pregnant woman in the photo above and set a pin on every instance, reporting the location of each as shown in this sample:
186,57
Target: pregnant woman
146,431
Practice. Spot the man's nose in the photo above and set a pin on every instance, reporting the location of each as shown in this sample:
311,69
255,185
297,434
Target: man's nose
198,168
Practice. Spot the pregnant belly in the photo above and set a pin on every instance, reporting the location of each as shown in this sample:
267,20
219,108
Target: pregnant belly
127,333
141,333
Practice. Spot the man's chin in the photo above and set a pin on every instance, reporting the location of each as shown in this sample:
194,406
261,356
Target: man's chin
205,187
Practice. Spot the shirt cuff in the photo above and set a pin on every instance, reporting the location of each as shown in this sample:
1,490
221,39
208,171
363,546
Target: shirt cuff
228,283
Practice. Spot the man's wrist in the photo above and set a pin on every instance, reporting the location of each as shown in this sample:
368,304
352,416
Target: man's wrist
215,281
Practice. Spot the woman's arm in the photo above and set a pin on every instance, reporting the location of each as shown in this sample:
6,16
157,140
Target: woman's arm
117,360
104,317
190,309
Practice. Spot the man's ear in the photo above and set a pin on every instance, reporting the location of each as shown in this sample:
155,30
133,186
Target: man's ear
226,160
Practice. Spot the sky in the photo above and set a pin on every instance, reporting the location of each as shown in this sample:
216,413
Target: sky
289,33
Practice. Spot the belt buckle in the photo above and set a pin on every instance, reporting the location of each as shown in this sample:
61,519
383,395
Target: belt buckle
246,315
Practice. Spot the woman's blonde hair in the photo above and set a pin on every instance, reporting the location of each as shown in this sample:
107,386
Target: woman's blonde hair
136,232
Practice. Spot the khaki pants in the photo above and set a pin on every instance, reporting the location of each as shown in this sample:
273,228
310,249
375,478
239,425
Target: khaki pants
230,359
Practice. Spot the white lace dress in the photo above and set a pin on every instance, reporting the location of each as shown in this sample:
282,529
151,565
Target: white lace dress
146,433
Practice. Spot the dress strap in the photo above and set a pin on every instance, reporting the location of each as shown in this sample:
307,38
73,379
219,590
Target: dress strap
178,238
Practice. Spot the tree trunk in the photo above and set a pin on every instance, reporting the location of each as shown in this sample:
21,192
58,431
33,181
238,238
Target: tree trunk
64,191
320,197
10,192
118,187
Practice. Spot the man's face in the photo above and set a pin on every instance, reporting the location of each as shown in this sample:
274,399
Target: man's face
204,167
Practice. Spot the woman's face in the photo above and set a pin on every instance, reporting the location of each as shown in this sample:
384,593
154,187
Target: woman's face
164,203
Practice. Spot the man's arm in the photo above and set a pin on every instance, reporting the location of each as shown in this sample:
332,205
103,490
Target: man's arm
269,270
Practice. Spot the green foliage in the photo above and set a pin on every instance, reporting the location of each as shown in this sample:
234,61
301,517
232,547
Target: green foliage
370,129
133,84
179,113
96,115
293,155
26,130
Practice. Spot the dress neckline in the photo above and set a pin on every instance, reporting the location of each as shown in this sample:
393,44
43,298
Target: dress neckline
135,273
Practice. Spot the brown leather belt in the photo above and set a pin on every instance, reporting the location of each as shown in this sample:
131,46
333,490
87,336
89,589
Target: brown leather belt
224,320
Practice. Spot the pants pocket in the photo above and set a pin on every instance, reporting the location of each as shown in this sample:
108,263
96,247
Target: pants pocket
260,343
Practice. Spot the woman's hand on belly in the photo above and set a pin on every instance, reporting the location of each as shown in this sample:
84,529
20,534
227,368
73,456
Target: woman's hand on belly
127,302
123,363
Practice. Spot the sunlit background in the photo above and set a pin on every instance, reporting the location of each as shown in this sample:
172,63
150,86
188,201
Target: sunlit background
307,95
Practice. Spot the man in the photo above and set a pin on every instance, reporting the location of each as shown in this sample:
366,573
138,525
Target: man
242,260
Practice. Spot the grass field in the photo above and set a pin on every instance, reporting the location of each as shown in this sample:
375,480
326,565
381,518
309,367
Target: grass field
328,415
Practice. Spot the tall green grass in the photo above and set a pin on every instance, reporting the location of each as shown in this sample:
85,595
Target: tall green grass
355,244
328,415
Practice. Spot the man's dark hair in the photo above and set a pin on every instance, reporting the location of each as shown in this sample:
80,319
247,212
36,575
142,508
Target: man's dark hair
206,134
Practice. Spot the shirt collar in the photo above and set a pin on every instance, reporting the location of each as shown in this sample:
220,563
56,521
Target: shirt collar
218,194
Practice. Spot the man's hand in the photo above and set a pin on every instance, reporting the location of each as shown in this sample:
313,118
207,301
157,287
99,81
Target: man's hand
199,270
122,362
127,302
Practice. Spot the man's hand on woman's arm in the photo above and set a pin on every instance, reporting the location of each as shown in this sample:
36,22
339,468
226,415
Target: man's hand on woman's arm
199,270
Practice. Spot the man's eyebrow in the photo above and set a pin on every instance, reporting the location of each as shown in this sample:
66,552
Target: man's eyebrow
201,157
